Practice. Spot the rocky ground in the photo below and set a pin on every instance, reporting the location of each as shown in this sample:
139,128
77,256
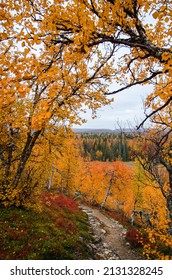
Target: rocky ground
109,237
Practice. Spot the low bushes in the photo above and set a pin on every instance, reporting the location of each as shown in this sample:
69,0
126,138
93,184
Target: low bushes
135,238
54,233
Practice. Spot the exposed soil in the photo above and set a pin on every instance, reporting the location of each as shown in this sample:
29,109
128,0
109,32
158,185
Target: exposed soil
109,237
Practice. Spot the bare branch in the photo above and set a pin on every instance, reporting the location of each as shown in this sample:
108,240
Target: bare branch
155,111
135,83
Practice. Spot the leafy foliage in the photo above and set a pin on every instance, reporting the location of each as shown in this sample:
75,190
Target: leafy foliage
159,242
59,57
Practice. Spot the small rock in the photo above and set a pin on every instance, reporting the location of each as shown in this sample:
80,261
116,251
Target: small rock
89,214
92,222
93,246
120,226
97,239
100,256
107,252
103,231
105,245
127,244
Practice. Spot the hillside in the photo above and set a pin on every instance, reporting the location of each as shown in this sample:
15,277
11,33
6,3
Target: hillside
100,130
60,231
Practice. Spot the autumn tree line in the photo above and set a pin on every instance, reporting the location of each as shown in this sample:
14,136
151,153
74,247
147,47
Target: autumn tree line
58,58
106,146
125,188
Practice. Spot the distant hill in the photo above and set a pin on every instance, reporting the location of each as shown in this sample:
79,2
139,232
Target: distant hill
100,130
91,130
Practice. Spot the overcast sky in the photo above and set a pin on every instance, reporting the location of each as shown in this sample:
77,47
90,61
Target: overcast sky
127,107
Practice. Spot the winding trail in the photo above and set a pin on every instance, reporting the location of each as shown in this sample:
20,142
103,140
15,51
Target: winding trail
109,236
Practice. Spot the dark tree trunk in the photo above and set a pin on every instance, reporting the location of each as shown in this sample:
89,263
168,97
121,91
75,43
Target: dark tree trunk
30,142
169,201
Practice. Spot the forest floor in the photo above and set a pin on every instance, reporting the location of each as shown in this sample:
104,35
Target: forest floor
109,234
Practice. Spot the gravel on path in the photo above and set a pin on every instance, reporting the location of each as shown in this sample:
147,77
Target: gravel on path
109,236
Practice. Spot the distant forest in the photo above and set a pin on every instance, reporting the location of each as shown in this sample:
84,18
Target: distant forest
106,146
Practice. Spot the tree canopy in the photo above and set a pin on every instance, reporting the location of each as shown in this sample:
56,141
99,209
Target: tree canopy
56,56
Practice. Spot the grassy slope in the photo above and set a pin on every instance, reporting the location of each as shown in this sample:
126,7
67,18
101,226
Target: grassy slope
60,231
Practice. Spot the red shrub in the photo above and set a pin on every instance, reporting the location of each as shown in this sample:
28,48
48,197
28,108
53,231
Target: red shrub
135,238
59,201
67,225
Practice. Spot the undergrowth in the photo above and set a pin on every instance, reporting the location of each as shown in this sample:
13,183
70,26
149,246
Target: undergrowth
60,231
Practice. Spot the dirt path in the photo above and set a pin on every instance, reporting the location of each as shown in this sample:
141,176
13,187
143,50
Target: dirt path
110,237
